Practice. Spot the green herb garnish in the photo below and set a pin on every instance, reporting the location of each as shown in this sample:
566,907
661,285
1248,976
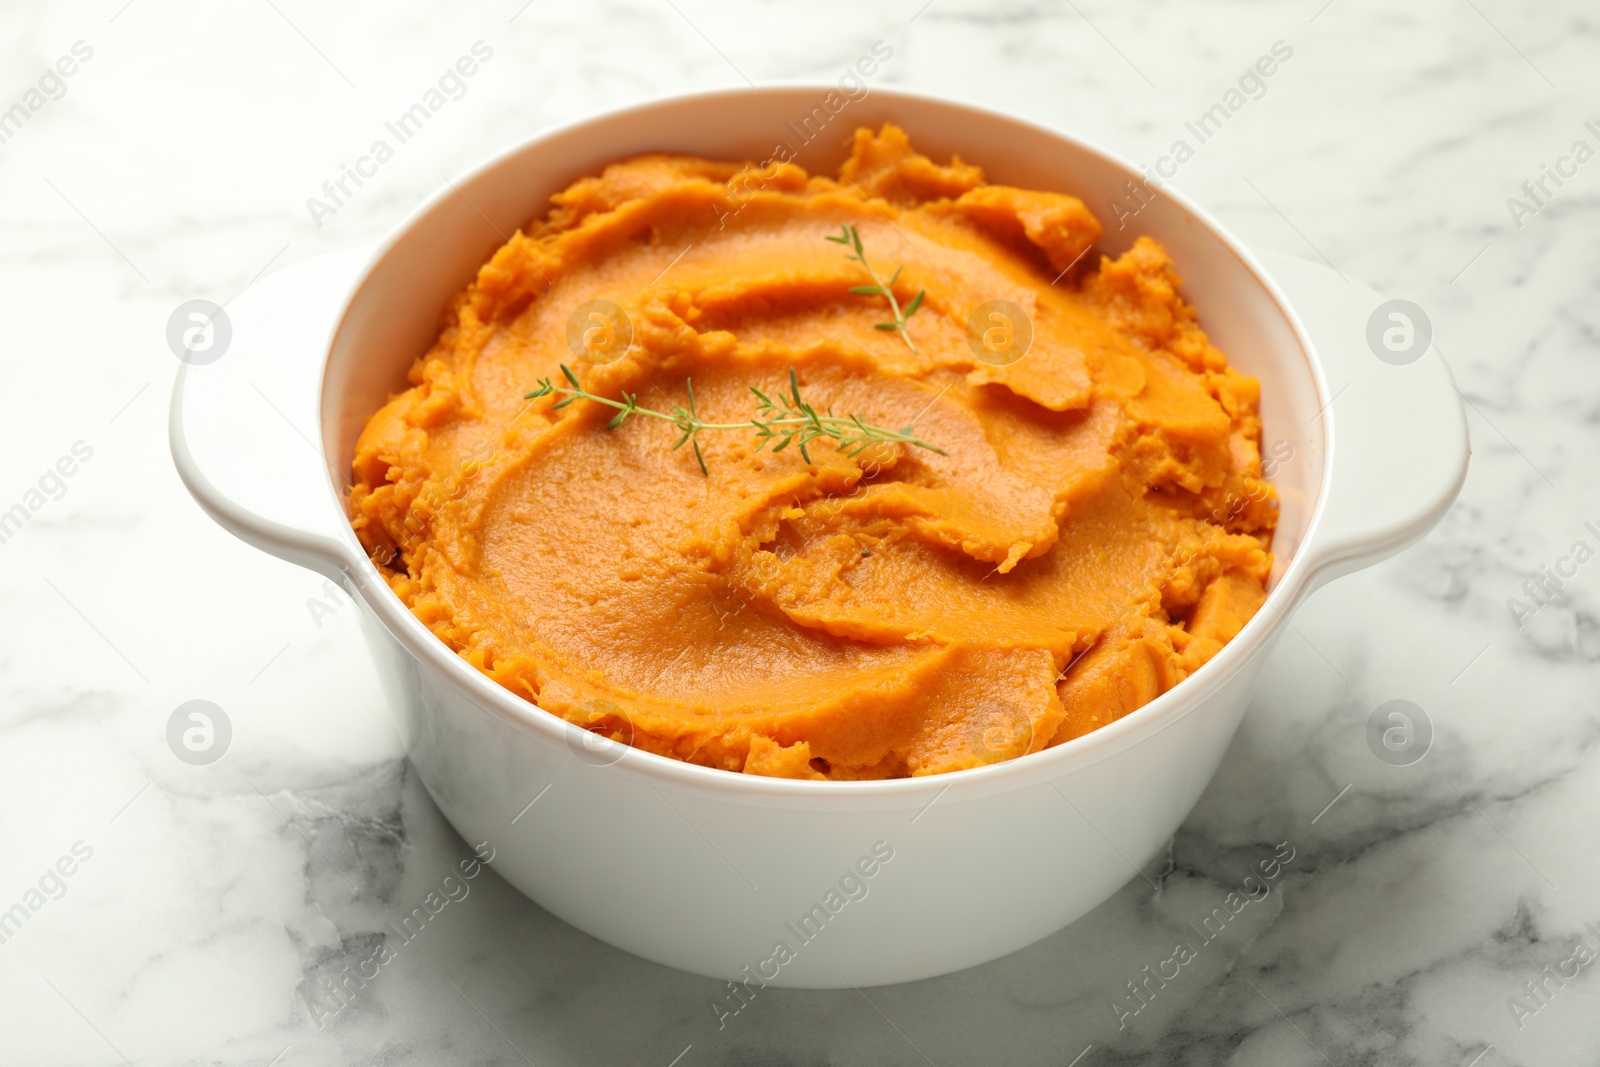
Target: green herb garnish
850,238
787,420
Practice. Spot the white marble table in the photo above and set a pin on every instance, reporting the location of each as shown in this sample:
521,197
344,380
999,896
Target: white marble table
208,907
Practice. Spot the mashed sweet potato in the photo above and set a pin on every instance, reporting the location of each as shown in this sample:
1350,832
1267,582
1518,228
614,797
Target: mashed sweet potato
1096,529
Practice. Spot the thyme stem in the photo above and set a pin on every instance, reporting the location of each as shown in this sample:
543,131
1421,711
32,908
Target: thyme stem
850,237
789,419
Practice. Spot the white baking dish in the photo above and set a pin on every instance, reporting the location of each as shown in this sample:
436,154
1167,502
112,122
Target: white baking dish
707,870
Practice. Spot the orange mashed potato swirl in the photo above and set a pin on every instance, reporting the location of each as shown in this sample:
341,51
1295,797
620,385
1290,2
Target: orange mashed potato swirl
1096,530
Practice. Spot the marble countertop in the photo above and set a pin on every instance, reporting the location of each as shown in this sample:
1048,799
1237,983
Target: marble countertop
177,914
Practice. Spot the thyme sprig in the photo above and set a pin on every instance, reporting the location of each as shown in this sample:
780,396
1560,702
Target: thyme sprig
851,238
787,420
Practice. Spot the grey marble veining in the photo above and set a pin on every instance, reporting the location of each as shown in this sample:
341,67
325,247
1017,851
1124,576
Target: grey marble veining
210,909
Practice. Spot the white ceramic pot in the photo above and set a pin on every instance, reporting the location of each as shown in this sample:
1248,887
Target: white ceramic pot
707,870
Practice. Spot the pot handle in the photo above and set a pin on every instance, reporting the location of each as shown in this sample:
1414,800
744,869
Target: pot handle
1396,430
243,424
